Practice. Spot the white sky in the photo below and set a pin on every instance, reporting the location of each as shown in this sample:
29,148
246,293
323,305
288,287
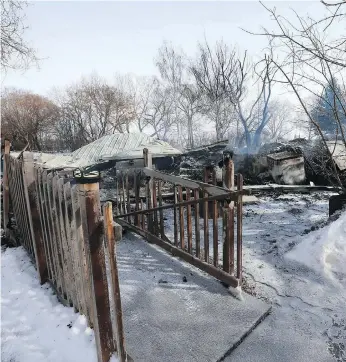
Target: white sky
75,38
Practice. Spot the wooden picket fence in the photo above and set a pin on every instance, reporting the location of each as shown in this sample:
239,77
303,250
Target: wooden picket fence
72,243
197,221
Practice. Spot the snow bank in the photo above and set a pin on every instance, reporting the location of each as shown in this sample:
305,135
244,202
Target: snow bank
35,327
324,251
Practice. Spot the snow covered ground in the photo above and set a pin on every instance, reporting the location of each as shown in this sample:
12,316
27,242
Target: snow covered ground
35,327
294,262
293,259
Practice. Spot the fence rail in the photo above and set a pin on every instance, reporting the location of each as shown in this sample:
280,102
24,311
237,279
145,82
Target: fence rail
72,242
203,224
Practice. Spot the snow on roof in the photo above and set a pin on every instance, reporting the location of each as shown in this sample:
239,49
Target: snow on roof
338,151
118,146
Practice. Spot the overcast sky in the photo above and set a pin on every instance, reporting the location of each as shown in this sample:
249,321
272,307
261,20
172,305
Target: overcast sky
75,38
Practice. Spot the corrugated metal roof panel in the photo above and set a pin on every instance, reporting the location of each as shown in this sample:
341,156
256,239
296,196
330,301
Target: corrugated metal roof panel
120,146
112,147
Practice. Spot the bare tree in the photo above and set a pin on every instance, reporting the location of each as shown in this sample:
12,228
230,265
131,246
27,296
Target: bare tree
16,53
160,115
280,121
308,61
222,75
28,118
91,109
140,91
172,64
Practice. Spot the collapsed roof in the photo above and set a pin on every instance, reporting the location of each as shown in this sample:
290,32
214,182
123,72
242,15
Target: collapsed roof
115,147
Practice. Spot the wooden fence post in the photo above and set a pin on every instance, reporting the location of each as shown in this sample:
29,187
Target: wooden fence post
113,233
239,227
6,195
206,219
96,254
228,171
148,162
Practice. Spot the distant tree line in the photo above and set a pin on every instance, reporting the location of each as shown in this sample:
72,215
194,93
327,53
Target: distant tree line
219,93
214,96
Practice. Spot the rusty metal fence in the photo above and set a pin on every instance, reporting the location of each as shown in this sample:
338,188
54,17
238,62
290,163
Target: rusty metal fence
197,221
72,243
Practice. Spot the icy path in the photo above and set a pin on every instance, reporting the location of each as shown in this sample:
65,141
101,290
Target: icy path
295,272
304,280
35,327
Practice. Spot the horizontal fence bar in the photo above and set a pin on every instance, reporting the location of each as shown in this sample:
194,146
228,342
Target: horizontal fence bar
233,195
210,269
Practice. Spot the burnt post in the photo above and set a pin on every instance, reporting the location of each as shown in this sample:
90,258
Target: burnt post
96,264
228,174
228,214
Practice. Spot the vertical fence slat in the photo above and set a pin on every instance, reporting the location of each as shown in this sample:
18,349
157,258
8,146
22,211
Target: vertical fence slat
215,225
65,244
85,260
118,210
39,201
197,226
206,220
239,227
156,221
15,197
77,232
189,222
11,184
6,192
27,177
148,162
231,237
111,238
175,216
226,240
128,196
96,256
12,196
162,221
23,208
181,218
215,234
143,216
123,193
57,236
19,217
52,239
149,202
71,241
49,228
35,223
136,186
43,203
